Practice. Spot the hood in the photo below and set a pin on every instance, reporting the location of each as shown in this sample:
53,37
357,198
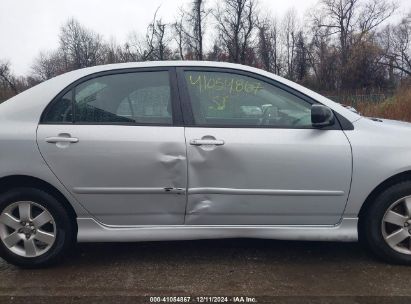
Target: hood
390,122
383,132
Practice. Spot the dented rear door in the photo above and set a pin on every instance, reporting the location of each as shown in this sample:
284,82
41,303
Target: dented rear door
124,160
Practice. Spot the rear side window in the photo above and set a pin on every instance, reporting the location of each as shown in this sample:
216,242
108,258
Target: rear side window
62,110
227,99
142,97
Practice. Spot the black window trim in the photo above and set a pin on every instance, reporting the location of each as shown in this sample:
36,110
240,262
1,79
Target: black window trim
177,116
188,115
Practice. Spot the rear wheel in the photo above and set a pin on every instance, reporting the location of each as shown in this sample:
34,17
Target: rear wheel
35,229
386,226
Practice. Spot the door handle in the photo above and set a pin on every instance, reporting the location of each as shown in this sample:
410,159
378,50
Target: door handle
61,139
206,142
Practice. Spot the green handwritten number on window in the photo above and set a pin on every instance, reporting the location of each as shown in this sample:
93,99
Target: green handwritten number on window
219,103
230,85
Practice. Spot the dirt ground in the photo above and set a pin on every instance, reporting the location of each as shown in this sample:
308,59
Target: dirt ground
265,271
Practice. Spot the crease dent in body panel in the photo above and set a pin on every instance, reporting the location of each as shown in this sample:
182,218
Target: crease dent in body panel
202,174
175,164
202,205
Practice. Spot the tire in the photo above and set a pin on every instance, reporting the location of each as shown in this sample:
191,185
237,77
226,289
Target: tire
51,240
377,225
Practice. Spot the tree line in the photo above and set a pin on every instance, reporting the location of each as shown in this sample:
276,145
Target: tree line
340,45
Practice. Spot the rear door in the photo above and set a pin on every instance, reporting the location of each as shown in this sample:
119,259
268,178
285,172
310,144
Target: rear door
254,157
116,142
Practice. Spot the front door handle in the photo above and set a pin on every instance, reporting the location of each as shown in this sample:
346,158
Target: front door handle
206,142
61,139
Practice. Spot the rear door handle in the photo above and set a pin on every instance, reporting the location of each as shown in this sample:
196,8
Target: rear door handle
61,139
206,142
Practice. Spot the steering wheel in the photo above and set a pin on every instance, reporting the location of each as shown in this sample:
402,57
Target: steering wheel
267,115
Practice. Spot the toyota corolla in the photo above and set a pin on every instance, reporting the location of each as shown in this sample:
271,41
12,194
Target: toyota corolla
195,150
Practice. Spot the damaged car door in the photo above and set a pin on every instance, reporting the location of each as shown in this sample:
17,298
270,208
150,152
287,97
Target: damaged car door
113,140
254,157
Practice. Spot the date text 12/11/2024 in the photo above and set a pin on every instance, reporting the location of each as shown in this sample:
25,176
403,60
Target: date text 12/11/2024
203,299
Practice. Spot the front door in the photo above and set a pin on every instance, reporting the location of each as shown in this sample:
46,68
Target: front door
253,156
113,142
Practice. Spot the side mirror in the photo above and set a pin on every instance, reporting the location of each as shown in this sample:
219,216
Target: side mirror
321,116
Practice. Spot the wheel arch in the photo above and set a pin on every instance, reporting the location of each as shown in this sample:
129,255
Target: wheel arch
406,175
14,181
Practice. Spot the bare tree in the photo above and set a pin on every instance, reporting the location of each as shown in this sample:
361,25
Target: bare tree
49,65
113,52
194,31
237,20
217,53
80,46
152,46
396,41
351,21
268,46
338,16
300,60
264,48
289,31
323,59
373,13
179,35
157,40
135,49
7,77
339,50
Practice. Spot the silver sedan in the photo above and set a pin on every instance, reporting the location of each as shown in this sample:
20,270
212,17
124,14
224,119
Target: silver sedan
192,150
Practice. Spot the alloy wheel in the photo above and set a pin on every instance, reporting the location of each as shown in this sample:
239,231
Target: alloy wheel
27,229
396,225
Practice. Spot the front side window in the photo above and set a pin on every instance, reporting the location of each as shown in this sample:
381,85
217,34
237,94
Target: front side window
142,97
226,99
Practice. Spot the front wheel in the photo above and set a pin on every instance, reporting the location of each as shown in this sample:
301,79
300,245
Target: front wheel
35,229
386,226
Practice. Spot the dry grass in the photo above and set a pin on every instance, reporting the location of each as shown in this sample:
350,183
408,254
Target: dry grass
397,107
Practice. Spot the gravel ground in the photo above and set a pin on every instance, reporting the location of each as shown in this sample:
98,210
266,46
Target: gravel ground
271,271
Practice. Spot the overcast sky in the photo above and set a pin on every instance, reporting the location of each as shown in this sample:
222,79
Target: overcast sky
30,26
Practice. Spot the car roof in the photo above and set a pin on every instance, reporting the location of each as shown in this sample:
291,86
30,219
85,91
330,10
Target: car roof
30,104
